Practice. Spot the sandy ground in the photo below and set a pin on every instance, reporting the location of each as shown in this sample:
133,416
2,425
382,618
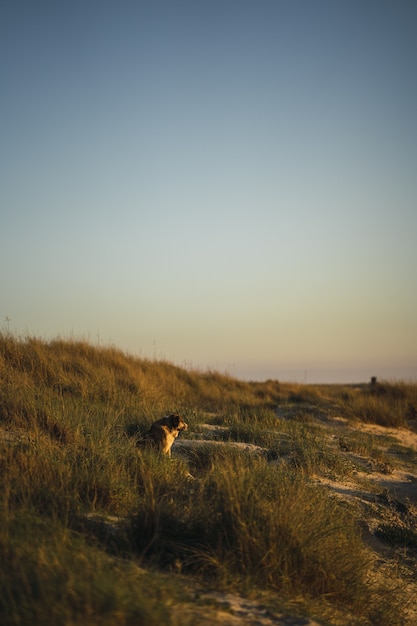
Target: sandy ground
227,609
398,483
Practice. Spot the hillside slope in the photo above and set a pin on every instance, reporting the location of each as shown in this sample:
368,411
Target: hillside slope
283,500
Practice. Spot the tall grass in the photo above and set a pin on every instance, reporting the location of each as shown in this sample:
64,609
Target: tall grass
66,408
388,404
49,575
106,376
244,523
245,520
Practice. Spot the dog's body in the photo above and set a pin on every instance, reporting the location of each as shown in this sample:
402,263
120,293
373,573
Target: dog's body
163,433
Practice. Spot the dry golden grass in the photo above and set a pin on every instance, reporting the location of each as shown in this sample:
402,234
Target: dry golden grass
67,410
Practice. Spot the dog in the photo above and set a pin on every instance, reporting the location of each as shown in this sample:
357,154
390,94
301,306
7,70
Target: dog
163,433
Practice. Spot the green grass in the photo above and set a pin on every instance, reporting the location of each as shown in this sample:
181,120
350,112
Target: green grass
68,415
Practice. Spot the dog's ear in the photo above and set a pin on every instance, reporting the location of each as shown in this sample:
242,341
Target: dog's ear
175,420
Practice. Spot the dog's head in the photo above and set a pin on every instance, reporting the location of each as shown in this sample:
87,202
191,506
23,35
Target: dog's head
176,422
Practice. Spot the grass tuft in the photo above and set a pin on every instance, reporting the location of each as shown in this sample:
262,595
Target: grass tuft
243,521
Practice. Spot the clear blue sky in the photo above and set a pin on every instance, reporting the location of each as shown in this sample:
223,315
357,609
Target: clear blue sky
227,184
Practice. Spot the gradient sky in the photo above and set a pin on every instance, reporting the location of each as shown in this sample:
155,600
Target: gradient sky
227,184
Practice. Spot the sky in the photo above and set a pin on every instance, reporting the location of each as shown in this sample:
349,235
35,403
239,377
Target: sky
224,184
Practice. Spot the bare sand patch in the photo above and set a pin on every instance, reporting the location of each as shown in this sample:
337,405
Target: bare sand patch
185,445
405,437
228,609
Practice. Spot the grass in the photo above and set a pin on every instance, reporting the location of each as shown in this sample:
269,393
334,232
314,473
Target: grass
388,404
50,575
244,522
397,535
69,413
